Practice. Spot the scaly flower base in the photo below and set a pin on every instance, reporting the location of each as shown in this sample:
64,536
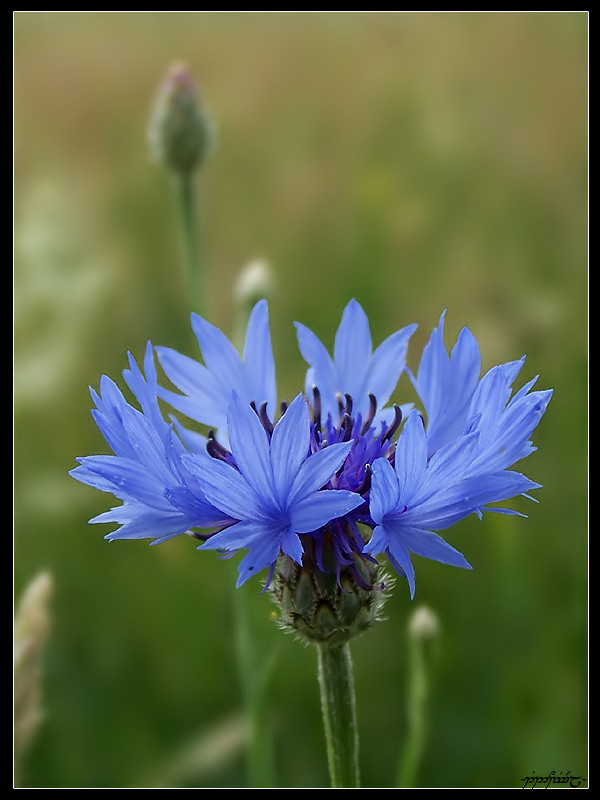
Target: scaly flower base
325,608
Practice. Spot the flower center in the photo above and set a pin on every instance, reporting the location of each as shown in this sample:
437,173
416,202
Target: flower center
370,441
337,547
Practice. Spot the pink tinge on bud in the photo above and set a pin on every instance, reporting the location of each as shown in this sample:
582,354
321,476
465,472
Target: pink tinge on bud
179,80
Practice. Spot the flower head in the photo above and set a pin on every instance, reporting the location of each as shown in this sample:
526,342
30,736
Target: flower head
317,495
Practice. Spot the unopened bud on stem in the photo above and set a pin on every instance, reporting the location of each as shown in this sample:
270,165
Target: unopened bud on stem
423,623
180,131
253,284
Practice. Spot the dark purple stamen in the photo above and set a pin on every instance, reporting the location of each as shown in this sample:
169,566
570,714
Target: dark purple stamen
200,536
340,404
366,482
317,408
346,428
370,415
264,418
349,404
394,426
204,536
215,449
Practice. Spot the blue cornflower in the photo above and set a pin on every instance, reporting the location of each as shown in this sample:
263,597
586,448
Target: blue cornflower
275,490
160,497
338,479
417,495
458,462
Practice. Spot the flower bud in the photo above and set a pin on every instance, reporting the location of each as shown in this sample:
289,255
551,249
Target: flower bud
254,282
327,607
423,624
180,131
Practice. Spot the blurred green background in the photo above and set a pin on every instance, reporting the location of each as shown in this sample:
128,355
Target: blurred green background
415,161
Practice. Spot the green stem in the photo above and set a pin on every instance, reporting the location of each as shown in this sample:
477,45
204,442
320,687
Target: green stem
339,714
422,651
417,701
186,206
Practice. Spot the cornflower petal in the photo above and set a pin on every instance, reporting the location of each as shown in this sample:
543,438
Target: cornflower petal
446,384
250,444
137,521
144,386
398,541
385,495
225,488
378,541
238,535
386,365
504,432
291,545
352,348
354,370
207,389
447,466
192,441
92,478
322,371
318,509
411,456
262,554
201,396
145,470
493,392
427,544
318,470
289,446
122,477
108,416
220,356
258,358
450,505
400,557
264,545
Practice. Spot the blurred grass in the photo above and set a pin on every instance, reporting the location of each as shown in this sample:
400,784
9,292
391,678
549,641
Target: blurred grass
415,161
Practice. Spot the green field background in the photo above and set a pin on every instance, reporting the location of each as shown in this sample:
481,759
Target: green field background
415,161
